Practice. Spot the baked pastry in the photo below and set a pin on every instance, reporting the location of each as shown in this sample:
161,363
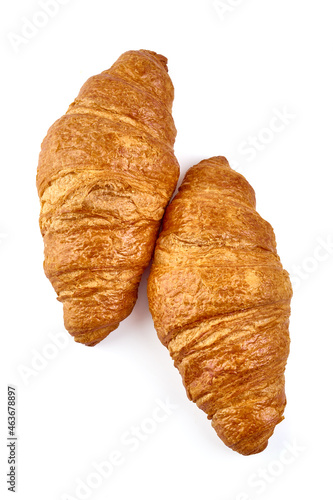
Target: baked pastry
106,172
220,302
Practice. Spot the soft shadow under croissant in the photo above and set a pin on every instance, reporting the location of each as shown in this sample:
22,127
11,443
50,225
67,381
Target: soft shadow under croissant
106,172
220,302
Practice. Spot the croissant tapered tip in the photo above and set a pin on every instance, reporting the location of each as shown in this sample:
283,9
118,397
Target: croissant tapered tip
93,337
163,61
219,161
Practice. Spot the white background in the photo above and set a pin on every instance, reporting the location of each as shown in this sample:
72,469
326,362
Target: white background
234,66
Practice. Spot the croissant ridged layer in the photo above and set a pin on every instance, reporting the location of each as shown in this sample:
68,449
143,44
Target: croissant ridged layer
106,172
220,302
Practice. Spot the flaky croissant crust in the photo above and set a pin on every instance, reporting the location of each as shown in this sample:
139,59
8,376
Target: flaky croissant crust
220,302
106,172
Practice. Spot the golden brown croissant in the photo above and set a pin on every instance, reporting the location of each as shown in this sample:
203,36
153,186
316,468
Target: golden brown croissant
220,301
106,172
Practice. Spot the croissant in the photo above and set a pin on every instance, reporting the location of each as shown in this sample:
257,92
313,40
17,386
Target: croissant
106,172
220,301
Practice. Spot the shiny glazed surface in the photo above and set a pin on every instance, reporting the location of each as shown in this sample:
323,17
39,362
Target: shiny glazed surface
106,172
220,302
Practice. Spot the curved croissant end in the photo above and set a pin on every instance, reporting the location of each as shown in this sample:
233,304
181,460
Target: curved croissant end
220,301
106,172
